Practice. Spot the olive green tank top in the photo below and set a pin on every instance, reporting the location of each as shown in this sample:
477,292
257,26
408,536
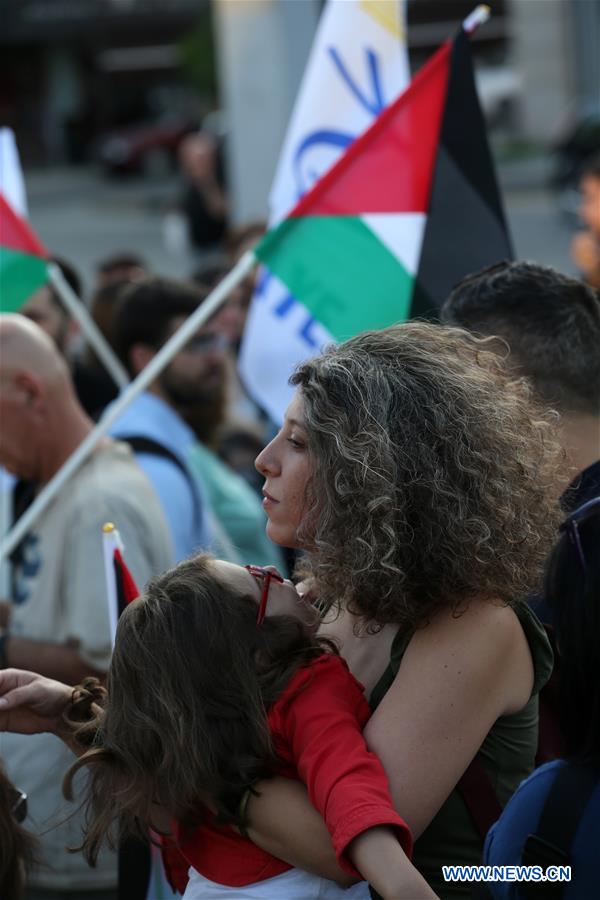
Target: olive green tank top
507,754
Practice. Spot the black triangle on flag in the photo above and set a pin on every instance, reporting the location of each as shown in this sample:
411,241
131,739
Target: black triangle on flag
466,228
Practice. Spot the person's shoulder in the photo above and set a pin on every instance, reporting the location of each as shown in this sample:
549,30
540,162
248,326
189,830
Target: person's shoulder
539,780
493,624
529,798
480,643
520,817
112,477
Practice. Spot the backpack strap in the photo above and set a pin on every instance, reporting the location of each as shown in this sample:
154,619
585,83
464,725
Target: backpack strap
142,444
550,844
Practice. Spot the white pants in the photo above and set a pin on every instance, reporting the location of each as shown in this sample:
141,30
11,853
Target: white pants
292,885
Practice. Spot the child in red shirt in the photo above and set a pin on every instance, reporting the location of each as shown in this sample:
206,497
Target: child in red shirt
207,696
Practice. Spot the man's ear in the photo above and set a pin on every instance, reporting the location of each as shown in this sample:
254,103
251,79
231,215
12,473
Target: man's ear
139,357
30,391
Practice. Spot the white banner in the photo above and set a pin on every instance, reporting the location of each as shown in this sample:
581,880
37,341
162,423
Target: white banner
357,66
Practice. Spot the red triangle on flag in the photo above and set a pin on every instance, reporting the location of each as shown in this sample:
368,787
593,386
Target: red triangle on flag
126,587
15,233
390,167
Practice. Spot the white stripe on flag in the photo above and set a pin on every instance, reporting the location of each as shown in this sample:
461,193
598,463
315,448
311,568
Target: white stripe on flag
358,64
111,541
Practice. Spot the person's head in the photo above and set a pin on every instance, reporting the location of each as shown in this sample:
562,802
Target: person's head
16,845
198,156
589,185
573,590
104,305
415,472
35,394
45,308
550,322
192,674
195,381
120,267
230,317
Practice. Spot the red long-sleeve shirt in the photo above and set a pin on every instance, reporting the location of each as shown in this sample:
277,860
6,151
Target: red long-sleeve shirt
316,727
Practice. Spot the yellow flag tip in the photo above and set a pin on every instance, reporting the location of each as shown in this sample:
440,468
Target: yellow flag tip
107,528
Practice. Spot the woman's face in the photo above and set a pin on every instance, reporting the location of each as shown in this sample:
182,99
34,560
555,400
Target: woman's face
286,467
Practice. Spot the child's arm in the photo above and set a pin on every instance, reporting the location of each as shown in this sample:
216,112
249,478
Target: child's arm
320,717
381,860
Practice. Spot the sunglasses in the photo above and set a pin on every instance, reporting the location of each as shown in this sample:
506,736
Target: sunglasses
18,805
203,343
265,577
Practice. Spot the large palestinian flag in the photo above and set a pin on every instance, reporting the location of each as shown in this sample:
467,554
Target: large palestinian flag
23,259
411,208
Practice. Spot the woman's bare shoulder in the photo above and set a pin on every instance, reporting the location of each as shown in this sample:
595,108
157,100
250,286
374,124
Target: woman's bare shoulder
483,639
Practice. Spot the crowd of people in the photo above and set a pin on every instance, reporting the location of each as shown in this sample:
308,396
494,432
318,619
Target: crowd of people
346,688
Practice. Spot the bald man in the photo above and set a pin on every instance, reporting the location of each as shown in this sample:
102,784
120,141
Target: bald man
58,617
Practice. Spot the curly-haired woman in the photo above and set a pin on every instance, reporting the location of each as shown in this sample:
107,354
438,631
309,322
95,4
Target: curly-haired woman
421,483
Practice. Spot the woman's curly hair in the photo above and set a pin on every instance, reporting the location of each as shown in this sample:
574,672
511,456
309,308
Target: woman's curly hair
434,477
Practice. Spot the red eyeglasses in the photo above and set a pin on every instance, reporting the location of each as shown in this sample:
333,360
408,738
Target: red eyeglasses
266,577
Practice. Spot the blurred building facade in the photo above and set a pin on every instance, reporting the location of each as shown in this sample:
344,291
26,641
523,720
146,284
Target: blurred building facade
71,71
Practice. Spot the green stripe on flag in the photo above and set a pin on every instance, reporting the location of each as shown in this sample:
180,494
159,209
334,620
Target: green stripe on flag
341,271
20,275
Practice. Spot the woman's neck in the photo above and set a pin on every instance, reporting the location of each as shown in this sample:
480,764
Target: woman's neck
367,654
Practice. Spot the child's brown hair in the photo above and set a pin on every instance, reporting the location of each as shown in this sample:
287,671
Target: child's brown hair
190,682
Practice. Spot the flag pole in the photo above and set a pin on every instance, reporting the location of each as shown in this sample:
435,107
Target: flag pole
91,331
166,353
111,540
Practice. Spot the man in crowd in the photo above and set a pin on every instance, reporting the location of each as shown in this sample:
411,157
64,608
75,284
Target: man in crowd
551,324
93,385
190,388
56,621
45,308
173,426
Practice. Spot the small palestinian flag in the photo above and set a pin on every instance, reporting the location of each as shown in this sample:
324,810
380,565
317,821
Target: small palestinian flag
411,208
23,259
121,588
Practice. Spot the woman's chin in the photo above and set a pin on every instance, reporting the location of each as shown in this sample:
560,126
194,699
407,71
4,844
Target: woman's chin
282,535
